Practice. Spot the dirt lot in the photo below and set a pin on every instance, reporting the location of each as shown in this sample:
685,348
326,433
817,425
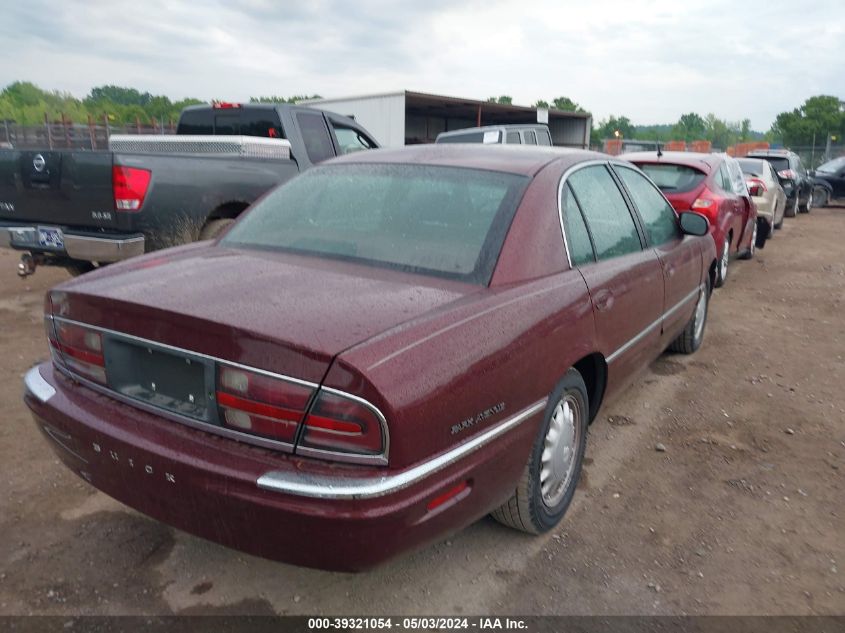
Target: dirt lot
744,511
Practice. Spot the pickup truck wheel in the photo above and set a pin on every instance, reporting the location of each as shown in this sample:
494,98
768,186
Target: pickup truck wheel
213,228
724,260
548,482
79,268
690,339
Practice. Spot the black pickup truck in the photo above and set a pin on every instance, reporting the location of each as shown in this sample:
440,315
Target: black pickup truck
81,209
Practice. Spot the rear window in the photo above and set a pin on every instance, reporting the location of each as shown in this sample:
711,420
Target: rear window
442,221
470,137
673,178
196,122
778,162
752,166
247,121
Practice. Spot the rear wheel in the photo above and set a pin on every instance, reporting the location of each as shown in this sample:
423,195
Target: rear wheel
213,228
752,245
548,482
79,268
690,339
808,206
724,260
792,211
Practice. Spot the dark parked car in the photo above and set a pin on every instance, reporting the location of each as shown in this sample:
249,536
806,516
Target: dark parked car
713,185
796,182
379,352
832,173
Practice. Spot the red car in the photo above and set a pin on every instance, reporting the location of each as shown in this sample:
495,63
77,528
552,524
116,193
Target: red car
711,184
378,353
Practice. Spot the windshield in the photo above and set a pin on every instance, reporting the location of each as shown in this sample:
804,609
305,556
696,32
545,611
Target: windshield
441,221
780,163
673,178
832,166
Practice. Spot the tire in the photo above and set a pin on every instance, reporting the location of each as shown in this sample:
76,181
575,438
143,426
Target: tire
691,338
538,505
79,268
752,245
779,225
808,206
722,264
793,210
213,228
821,197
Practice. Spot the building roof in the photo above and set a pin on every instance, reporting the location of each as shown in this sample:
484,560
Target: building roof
457,106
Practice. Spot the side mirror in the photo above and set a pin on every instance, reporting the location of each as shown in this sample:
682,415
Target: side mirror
693,223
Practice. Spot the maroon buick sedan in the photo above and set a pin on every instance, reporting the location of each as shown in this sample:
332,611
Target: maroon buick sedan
378,353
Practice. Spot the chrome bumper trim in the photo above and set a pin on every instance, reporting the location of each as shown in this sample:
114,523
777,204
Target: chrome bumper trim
87,248
37,386
103,249
333,487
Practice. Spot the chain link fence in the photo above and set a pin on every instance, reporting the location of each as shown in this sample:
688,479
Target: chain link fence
814,155
75,136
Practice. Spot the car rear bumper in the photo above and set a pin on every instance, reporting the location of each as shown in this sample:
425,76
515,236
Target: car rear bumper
288,508
765,208
92,247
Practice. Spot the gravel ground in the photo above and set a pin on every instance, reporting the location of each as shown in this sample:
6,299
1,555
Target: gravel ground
714,485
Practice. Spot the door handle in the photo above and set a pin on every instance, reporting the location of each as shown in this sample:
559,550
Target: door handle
603,300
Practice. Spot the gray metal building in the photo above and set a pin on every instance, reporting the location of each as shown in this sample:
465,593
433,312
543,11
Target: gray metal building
407,118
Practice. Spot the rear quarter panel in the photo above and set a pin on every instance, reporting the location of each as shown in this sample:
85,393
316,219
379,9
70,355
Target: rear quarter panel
503,350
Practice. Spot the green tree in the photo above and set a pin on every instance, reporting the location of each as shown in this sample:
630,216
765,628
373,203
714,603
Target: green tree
541,104
690,127
566,104
817,117
607,128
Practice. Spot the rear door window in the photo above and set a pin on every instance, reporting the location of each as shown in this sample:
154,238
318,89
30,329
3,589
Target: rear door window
530,137
605,211
661,224
543,138
513,138
315,134
577,237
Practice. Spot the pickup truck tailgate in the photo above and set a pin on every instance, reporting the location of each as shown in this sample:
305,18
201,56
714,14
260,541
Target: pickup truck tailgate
64,188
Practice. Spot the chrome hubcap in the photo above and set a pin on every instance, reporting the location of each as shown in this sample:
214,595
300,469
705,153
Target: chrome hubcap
753,244
557,464
700,313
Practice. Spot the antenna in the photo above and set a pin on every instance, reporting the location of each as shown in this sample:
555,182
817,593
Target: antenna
659,151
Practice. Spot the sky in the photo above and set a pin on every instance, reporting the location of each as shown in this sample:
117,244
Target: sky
650,61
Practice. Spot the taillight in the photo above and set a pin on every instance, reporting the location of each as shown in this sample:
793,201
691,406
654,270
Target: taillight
78,348
254,403
129,185
342,424
788,174
756,187
702,203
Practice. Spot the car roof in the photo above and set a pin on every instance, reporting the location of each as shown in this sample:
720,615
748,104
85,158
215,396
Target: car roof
516,159
769,152
697,160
